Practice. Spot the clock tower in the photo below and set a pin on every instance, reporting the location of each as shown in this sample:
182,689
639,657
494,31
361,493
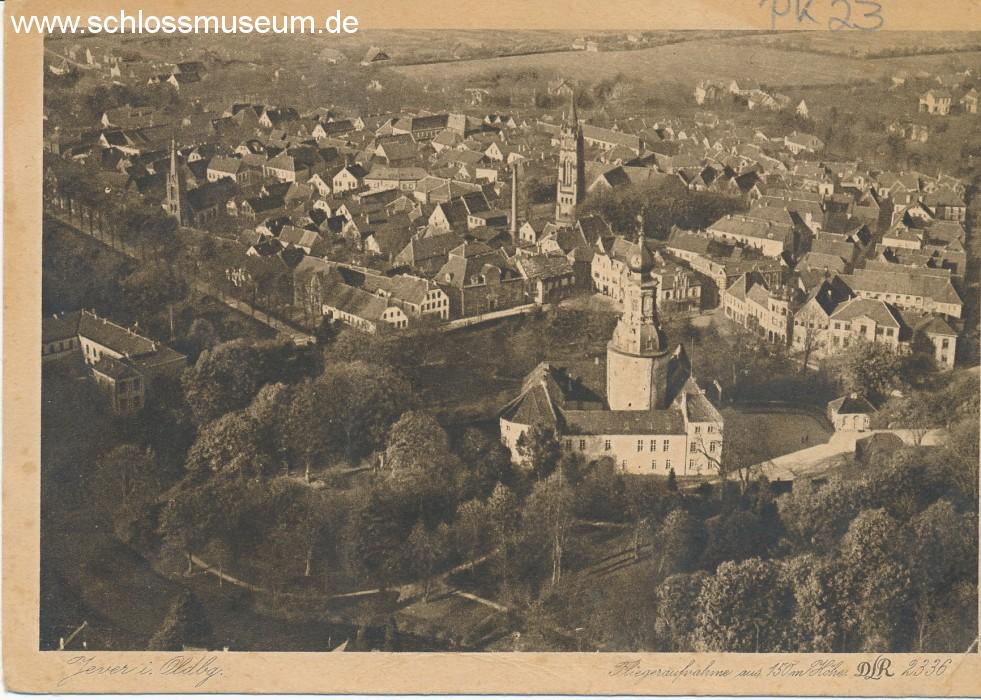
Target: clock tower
637,357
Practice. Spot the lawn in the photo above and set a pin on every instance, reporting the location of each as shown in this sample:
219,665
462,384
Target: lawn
778,431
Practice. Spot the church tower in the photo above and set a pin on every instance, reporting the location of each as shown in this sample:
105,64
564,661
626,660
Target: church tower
571,185
174,204
637,356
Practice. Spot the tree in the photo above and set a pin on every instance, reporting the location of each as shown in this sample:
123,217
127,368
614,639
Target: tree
187,520
735,452
876,581
186,624
470,531
486,462
363,401
374,540
643,502
416,442
677,597
870,370
816,517
128,473
743,608
202,335
943,554
919,365
733,536
426,551
224,379
304,438
549,513
149,289
307,520
679,543
232,445
601,494
539,450
158,232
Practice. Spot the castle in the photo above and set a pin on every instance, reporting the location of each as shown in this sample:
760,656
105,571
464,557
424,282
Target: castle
649,415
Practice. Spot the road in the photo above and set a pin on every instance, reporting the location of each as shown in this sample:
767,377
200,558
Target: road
298,337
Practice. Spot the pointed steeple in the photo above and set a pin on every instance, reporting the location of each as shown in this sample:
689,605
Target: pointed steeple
175,187
571,185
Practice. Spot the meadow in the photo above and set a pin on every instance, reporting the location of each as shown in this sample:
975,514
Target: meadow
687,62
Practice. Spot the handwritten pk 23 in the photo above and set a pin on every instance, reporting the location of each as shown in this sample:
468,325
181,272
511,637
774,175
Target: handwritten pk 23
864,15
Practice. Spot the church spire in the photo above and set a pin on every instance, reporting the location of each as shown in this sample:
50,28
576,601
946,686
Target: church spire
571,183
174,203
573,114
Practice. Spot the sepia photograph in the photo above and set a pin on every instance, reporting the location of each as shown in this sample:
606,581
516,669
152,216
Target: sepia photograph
528,340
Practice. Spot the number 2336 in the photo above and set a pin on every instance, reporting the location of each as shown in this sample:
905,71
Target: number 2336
926,667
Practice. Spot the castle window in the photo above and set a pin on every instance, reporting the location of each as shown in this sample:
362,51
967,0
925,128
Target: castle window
568,444
691,464
653,445
640,445
666,445
582,444
698,429
606,445
653,464
667,464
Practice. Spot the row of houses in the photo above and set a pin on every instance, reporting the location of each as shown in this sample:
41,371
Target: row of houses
845,309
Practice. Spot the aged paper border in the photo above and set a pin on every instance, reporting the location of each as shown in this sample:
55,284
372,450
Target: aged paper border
29,670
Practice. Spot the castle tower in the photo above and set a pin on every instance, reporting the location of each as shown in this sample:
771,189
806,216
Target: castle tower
174,203
571,185
637,356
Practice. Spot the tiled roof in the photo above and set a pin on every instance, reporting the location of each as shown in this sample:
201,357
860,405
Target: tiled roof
874,309
113,368
851,405
668,421
752,228
354,301
59,326
927,286
115,337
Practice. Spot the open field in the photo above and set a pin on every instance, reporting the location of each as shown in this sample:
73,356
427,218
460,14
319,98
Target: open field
688,62
871,44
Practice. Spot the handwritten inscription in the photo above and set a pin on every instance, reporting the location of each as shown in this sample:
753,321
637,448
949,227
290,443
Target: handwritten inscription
819,668
836,15
199,669
878,668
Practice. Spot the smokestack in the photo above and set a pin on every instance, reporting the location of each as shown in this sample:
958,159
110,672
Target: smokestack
514,203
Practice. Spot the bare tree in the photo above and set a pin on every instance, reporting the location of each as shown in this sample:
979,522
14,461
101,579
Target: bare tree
733,451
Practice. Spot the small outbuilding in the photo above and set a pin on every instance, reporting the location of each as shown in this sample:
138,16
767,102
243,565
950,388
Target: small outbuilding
850,412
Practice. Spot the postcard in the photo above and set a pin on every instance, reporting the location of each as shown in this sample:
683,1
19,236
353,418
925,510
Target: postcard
467,348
